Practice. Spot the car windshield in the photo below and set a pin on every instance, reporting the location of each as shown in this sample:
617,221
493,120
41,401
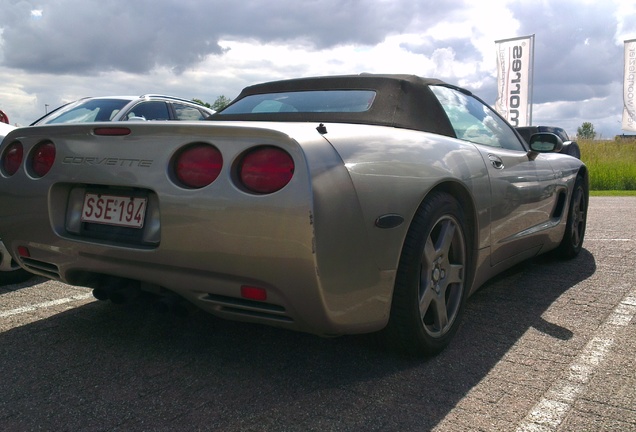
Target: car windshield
304,102
91,110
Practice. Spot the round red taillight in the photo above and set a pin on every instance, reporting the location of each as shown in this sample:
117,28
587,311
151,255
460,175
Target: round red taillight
266,169
42,158
12,158
198,165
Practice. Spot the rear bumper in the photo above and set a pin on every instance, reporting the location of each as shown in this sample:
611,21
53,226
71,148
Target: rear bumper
297,298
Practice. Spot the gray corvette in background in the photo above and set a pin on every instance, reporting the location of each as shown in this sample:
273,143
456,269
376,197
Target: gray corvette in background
330,205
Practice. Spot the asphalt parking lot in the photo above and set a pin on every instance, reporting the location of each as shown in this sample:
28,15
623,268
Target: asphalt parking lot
548,346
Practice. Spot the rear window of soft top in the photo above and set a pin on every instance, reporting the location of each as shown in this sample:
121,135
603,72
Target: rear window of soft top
311,101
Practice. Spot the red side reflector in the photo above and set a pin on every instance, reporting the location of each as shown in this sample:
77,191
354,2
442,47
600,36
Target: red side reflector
23,251
112,131
253,293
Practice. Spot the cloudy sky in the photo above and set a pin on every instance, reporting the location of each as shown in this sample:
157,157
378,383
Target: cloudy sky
56,51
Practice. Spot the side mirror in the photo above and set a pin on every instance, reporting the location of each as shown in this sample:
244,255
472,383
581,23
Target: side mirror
545,143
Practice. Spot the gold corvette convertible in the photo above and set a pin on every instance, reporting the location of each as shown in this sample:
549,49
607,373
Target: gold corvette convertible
330,205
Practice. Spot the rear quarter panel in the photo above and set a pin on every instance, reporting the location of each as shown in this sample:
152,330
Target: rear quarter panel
392,171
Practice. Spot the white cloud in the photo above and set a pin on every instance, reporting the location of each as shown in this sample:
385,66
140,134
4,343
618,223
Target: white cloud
626,21
61,50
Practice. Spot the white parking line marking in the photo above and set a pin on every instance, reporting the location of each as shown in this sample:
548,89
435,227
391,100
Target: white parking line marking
44,305
550,411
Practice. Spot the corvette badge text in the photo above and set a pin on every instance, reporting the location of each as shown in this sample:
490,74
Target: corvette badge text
107,161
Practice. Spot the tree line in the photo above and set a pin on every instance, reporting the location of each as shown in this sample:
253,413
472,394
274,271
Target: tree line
220,103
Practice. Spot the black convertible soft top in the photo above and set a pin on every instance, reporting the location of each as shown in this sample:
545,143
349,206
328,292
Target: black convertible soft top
403,101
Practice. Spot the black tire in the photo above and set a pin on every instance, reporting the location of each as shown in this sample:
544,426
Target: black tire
572,241
431,281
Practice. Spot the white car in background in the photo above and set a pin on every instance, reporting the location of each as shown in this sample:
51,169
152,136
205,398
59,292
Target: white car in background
124,108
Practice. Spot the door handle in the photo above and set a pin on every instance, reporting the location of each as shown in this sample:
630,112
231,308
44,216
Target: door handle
496,161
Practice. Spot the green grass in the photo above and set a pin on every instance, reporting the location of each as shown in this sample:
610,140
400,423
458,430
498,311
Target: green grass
612,166
612,193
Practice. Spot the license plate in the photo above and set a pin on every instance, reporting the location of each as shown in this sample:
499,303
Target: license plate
114,210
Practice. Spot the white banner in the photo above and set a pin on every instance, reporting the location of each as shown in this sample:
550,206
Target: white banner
515,59
629,102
